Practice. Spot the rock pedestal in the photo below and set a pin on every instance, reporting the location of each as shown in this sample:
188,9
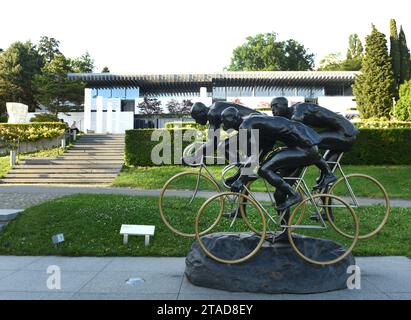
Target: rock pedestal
276,268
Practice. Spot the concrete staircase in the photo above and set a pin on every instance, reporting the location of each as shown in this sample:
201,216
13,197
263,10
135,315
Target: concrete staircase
93,159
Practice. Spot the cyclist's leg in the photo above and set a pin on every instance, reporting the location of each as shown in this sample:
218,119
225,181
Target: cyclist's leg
287,158
336,142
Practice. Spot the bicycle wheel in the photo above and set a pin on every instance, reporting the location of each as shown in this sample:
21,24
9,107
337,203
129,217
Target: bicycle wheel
181,198
265,195
210,211
301,225
372,212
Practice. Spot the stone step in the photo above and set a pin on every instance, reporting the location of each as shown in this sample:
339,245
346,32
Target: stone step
69,165
88,157
8,214
96,143
57,181
96,147
60,175
68,161
100,139
93,153
23,171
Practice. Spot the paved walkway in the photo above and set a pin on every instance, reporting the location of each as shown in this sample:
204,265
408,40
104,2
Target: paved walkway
24,196
382,278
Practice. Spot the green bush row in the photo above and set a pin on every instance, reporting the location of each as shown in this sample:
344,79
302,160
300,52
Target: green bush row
139,145
383,124
372,147
13,133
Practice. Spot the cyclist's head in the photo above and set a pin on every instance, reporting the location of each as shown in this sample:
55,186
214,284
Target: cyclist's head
231,119
279,107
199,113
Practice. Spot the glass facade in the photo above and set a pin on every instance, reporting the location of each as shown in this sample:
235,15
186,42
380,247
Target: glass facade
121,93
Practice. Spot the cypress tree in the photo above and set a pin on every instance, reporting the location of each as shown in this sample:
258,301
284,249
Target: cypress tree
373,88
395,55
405,57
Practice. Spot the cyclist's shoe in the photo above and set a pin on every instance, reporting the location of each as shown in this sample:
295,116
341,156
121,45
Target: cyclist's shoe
291,200
229,181
328,179
319,179
233,214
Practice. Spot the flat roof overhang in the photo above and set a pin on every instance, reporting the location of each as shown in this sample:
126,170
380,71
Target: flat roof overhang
192,82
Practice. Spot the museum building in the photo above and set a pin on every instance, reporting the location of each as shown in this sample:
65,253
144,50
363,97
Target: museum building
111,100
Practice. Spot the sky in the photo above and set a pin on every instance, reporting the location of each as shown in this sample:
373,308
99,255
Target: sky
181,36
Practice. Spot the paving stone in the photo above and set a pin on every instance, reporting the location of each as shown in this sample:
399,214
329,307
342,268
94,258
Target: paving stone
36,281
115,282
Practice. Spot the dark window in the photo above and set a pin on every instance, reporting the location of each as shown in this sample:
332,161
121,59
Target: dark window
334,91
128,105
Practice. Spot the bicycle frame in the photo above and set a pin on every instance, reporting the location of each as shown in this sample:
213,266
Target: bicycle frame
336,165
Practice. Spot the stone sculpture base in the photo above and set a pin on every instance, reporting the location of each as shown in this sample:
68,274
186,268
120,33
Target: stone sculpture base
274,269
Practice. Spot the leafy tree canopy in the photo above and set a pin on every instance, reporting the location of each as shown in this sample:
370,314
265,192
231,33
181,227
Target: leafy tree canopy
150,106
264,52
18,66
55,90
48,47
83,64
180,108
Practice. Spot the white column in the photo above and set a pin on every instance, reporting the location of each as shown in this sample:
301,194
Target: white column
87,109
99,114
109,116
117,107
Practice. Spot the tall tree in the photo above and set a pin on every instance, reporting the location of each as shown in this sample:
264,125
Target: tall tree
55,90
48,48
395,55
353,61
405,57
355,47
83,64
373,88
18,66
264,52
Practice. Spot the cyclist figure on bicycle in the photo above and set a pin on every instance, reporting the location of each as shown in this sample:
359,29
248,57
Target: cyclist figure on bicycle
337,135
212,115
301,150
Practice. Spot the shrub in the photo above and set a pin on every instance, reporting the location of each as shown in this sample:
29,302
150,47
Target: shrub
372,147
3,118
383,124
44,117
139,145
14,133
403,106
381,147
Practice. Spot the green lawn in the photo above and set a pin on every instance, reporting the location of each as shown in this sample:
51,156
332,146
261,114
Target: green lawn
396,179
49,153
91,225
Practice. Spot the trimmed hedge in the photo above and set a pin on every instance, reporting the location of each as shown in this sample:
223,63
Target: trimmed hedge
378,124
380,147
12,133
372,147
139,145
